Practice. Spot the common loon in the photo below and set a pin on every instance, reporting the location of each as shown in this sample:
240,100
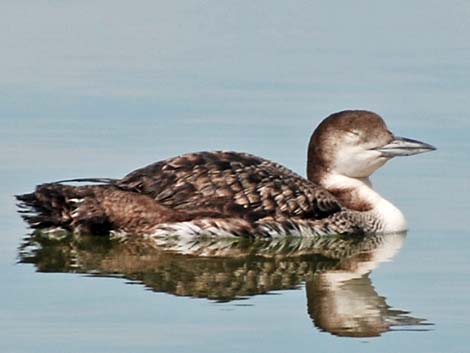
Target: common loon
238,194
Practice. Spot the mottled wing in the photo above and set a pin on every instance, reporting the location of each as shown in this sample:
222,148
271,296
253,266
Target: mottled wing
232,184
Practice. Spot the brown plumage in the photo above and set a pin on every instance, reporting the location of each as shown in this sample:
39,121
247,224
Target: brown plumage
230,193
231,184
217,186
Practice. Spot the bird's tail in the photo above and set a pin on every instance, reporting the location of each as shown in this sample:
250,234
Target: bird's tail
53,204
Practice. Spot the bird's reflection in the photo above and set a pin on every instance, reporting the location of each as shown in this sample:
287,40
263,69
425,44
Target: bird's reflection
340,296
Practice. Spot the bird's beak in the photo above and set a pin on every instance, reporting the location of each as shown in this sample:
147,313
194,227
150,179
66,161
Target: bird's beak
401,146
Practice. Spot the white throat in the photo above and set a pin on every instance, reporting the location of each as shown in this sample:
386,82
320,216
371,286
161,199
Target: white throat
391,218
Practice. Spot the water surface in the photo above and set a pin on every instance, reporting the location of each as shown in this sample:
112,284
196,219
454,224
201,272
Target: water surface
101,89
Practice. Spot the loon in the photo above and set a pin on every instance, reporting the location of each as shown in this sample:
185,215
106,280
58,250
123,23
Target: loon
238,194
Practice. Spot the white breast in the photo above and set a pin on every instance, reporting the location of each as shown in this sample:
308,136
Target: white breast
390,217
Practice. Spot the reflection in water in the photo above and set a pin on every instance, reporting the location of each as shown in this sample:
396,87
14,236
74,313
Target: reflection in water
352,308
340,296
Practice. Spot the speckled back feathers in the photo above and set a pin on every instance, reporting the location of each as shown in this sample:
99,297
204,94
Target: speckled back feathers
232,184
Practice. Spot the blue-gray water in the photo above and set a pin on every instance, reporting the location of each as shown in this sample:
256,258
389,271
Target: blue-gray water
101,88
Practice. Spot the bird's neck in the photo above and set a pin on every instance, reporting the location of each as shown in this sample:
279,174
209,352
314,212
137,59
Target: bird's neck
357,194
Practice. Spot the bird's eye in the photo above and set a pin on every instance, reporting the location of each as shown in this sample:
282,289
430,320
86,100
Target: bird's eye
354,132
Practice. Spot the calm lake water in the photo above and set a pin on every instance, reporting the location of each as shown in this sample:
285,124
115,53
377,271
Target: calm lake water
99,89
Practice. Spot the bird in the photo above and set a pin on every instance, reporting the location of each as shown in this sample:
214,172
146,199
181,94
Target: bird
226,194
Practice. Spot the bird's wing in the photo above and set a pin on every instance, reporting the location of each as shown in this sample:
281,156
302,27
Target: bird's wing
232,184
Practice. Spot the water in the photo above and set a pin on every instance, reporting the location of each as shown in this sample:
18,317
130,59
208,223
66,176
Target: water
99,90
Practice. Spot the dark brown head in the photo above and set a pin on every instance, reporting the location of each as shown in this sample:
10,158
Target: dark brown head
355,143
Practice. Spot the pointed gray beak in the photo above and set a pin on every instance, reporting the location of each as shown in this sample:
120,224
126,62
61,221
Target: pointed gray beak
402,146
